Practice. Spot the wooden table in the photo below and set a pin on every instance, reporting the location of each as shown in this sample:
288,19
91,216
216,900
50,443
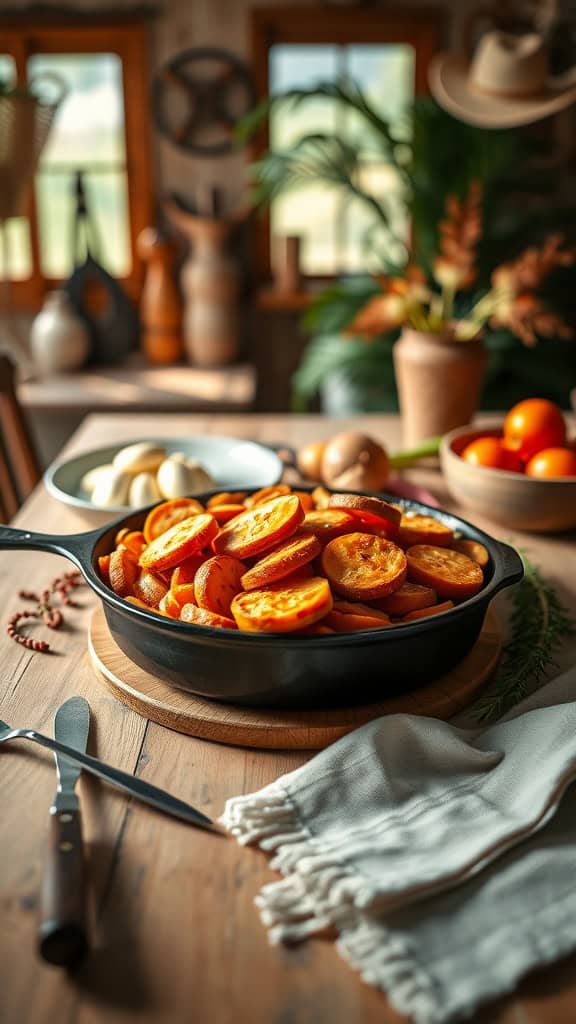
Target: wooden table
176,936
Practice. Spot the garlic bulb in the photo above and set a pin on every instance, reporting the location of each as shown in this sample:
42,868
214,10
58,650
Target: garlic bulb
142,457
112,488
143,490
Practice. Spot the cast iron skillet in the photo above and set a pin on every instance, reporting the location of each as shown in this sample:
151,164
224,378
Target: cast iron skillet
285,670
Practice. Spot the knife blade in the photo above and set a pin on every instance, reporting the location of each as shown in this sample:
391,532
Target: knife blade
63,935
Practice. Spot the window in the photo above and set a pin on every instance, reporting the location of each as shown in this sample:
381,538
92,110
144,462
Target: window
387,55
101,129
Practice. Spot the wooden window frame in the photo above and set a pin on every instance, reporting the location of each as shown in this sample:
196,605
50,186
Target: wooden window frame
423,29
128,39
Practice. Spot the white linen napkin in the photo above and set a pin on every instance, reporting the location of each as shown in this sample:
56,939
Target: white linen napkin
441,856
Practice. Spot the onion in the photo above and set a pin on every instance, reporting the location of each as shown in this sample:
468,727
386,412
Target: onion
355,461
309,460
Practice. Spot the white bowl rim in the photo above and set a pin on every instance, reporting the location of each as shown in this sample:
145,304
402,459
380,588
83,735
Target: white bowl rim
447,450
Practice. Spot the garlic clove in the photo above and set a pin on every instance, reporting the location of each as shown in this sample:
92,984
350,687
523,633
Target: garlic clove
143,490
112,488
178,479
90,479
141,457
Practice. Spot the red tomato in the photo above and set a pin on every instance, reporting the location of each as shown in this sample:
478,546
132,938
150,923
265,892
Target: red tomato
533,425
490,451
552,462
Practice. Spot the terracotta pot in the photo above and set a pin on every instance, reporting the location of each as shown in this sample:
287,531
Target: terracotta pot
439,382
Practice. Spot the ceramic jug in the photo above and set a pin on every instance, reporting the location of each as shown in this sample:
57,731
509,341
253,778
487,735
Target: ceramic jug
59,340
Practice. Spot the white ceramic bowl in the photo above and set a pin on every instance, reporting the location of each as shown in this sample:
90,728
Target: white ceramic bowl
234,464
512,499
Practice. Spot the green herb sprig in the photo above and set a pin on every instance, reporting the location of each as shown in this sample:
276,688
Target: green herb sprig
539,624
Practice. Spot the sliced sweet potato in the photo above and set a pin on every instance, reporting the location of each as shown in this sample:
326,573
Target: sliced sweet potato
203,617
283,609
306,500
410,597
474,549
217,582
448,572
104,568
186,570
266,494
320,497
135,541
363,566
138,602
169,606
183,594
123,532
224,513
358,608
260,528
149,588
165,515
327,523
181,541
372,512
345,623
416,529
123,571
226,498
282,561
423,613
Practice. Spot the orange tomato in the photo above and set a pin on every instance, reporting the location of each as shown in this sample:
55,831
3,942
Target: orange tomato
533,425
552,462
490,451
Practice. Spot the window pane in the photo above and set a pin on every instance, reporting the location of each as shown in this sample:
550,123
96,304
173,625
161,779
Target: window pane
313,214
15,250
7,70
89,124
296,66
15,253
386,75
107,199
333,231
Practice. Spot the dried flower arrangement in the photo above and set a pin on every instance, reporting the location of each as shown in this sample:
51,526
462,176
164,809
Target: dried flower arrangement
511,302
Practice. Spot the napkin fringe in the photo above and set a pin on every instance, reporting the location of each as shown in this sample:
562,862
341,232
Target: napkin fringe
317,893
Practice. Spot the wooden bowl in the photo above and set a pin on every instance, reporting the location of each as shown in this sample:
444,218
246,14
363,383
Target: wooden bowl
512,499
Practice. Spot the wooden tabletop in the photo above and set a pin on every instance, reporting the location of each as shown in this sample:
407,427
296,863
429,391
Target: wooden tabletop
176,937
143,388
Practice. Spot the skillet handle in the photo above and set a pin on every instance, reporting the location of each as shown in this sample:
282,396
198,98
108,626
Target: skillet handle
75,546
512,569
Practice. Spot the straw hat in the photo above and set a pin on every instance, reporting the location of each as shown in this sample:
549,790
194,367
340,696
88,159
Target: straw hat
506,84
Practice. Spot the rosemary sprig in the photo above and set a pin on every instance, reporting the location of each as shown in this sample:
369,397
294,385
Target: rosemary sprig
539,623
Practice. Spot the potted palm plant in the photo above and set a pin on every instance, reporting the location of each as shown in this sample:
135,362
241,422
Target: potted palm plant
434,157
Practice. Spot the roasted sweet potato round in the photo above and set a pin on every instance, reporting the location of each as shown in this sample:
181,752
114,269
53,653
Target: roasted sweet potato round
364,566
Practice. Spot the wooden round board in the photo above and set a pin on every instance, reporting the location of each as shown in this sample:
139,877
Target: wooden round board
276,728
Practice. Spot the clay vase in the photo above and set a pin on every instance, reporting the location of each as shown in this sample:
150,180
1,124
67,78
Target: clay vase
439,382
210,285
59,339
160,303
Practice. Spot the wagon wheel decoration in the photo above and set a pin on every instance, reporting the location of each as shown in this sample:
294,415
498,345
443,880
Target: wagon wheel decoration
199,96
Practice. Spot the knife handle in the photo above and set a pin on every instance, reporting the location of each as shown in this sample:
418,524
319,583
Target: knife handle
62,937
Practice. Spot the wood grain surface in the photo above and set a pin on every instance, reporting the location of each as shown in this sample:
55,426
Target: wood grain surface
276,729
176,937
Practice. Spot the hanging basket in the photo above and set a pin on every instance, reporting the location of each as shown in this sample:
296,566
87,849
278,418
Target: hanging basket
25,121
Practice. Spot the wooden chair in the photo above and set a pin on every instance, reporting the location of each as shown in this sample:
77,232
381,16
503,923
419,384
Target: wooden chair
19,466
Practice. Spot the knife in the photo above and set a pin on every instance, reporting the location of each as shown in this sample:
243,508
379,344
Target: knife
62,935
